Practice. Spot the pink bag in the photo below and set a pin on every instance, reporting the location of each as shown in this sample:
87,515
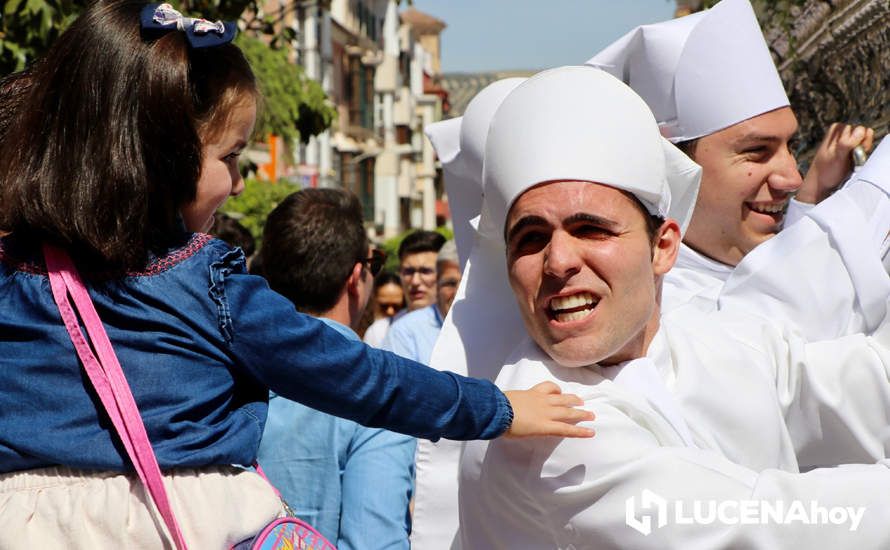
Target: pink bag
108,379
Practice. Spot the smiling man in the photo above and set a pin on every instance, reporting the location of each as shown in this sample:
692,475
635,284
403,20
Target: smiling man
715,92
698,407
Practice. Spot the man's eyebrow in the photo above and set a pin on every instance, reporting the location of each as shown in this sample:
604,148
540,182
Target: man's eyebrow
591,218
754,137
524,222
530,220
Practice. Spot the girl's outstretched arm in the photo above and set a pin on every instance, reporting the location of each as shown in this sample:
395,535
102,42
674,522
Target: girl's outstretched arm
302,359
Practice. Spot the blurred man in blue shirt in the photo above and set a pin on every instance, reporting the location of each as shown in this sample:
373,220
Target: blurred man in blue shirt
351,483
414,334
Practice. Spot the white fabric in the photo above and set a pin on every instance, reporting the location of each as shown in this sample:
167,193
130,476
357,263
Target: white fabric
700,73
376,332
460,146
796,211
695,279
759,404
60,507
520,149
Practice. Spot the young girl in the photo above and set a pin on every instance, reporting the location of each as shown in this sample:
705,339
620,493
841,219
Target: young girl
120,150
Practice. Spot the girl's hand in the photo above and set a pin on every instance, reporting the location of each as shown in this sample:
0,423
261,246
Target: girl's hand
545,410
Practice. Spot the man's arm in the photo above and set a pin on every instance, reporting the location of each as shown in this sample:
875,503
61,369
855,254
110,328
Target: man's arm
377,485
587,493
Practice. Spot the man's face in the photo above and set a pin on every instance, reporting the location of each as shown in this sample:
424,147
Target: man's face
748,176
446,285
581,265
418,272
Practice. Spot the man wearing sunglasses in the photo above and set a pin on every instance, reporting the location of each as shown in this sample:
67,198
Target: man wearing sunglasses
350,482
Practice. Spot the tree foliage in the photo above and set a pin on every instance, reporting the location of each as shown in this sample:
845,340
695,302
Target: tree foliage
252,207
28,27
294,106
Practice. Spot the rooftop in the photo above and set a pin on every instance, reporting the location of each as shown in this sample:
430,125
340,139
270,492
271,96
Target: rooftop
462,87
423,23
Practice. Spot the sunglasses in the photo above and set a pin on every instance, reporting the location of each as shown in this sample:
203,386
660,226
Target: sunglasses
375,262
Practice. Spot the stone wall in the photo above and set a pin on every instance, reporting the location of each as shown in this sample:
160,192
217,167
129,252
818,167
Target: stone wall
834,57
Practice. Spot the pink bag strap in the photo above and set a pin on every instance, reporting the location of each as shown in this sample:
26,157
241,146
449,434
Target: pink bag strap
108,379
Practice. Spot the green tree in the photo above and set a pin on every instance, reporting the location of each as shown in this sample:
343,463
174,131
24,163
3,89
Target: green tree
294,106
252,207
28,27
391,246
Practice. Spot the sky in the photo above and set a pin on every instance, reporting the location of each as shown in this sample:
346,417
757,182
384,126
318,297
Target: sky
500,35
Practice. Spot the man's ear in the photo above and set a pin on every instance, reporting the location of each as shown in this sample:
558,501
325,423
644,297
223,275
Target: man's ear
666,246
355,279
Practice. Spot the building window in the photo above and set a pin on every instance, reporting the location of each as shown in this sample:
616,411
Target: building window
405,68
360,93
367,102
366,194
403,134
404,213
358,178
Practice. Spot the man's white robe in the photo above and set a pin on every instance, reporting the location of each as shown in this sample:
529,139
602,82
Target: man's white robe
723,407
822,276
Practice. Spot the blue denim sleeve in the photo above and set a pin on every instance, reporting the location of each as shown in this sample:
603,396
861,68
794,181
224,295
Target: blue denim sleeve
300,358
377,485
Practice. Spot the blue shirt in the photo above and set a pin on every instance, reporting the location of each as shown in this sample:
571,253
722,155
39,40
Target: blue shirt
414,335
351,483
201,342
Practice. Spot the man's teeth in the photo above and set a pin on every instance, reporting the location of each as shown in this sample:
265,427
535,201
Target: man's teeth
572,308
571,302
769,208
572,316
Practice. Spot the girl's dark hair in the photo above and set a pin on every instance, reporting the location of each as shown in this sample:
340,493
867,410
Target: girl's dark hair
106,145
387,278
13,88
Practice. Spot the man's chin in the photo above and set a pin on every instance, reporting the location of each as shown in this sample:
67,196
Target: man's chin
572,355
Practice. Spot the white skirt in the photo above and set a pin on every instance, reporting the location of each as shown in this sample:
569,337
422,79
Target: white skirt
61,507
